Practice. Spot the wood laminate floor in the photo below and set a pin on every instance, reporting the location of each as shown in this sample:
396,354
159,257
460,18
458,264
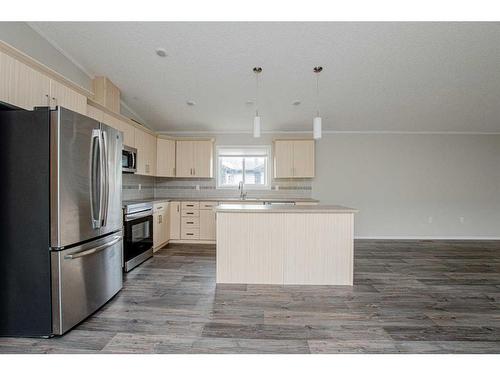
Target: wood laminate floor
409,297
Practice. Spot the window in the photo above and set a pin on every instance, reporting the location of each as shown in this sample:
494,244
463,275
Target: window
247,164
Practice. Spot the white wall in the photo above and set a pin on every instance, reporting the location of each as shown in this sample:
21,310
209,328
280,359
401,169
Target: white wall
400,181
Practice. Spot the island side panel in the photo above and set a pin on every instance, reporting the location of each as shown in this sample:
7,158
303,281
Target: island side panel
319,249
250,248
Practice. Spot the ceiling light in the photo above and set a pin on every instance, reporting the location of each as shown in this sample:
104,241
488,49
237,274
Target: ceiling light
297,102
256,120
191,103
317,120
161,52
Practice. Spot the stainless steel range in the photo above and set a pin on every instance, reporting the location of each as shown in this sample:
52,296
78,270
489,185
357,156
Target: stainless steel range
138,228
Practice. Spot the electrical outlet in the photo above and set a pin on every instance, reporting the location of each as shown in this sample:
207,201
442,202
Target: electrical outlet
197,187
140,187
430,219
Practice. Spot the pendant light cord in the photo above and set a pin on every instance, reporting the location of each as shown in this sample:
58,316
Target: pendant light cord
256,94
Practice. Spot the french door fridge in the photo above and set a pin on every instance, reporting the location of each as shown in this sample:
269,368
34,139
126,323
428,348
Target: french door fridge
62,254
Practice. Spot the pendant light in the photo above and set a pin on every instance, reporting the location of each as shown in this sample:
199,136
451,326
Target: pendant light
256,120
317,120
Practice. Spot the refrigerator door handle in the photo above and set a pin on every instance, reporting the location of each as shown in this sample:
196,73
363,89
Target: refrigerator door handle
105,179
95,156
94,250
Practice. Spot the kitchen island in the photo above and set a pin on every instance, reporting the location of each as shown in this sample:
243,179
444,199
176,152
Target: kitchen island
302,245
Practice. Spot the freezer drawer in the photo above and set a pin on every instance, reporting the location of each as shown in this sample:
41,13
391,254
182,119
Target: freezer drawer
83,279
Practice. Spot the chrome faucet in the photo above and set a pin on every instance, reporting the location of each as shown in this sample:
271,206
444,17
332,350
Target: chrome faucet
241,187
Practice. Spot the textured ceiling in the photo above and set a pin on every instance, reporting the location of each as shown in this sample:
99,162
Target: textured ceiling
377,76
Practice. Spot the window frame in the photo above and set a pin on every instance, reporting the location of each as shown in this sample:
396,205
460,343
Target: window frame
267,166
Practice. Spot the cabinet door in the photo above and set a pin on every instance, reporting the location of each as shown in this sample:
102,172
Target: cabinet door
303,158
202,159
127,129
165,156
156,230
283,159
207,225
95,113
143,144
22,86
67,98
184,158
175,220
151,154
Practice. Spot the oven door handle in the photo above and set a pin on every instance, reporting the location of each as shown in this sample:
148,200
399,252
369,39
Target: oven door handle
94,250
130,217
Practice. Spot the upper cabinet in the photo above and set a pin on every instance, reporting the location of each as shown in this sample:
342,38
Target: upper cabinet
145,144
165,157
25,87
106,94
21,85
294,158
127,129
194,158
67,98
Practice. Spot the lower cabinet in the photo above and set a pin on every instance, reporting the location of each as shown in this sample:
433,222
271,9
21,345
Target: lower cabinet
160,224
175,220
207,220
192,220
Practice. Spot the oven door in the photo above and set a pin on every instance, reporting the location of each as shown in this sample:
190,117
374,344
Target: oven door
138,237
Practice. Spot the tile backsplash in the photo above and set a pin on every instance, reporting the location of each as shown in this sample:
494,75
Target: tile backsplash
144,187
206,188
135,186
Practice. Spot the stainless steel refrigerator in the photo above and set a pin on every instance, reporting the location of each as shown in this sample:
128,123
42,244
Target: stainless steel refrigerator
61,233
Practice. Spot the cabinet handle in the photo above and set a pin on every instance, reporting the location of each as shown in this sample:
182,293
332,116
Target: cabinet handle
48,99
194,172
160,219
55,101
189,222
173,171
177,208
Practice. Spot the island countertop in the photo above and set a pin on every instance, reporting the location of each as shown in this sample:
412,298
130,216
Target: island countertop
336,209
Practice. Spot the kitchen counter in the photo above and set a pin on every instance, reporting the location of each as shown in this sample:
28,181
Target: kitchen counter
249,200
284,208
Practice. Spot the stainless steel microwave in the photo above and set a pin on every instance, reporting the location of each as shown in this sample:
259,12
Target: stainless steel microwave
129,159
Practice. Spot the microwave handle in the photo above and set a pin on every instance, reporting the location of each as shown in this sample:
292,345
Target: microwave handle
133,160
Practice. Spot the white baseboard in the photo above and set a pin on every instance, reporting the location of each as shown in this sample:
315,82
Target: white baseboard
446,238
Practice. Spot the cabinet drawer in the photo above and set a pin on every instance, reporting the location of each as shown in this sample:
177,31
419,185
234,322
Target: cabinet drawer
190,205
190,213
190,233
207,205
160,207
190,222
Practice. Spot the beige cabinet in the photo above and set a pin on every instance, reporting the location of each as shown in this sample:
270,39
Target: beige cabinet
165,157
294,158
145,144
174,220
207,220
127,129
160,224
21,85
194,158
95,113
63,96
25,87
